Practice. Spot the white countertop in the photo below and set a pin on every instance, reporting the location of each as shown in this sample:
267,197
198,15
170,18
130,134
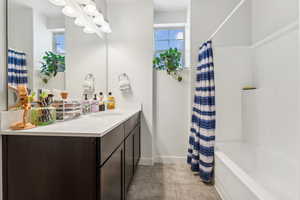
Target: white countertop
91,125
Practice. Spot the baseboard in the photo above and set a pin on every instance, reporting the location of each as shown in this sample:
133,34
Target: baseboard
170,159
146,161
163,159
221,191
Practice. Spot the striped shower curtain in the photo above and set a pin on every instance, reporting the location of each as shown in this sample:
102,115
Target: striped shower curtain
17,69
202,136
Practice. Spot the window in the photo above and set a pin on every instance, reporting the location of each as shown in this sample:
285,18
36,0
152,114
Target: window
59,43
59,46
166,38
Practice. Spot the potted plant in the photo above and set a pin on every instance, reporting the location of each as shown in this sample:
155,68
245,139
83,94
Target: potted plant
51,65
170,61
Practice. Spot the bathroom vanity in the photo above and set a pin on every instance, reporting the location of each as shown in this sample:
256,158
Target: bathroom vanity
90,158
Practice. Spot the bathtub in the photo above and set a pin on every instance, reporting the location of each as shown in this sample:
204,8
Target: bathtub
248,172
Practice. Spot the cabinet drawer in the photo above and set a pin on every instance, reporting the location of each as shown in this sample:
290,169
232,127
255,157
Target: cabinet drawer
110,142
131,123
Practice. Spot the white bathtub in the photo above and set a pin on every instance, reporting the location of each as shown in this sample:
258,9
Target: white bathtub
248,172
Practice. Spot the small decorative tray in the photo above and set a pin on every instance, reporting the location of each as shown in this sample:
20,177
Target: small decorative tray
67,109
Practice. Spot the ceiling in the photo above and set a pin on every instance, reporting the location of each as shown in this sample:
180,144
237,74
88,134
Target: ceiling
52,11
42,6
170,5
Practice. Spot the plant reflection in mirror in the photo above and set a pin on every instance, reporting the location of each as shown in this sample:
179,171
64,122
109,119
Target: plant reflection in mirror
51,65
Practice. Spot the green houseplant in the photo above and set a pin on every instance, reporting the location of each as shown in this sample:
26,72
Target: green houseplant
170,61
51,65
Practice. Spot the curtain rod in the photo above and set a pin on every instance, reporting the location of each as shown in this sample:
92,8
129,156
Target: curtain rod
227,19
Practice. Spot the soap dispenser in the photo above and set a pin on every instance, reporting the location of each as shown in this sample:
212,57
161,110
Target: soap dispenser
86,105
101,102
95,104
111,102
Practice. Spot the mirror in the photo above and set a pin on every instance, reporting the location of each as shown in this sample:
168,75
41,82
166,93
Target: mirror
47,51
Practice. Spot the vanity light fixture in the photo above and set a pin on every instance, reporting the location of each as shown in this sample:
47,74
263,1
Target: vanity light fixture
69,11
105,28
91,9
79,21
86,14
99,19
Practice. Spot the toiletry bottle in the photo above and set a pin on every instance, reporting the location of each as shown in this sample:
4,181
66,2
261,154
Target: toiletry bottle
86,105
111,102
95,104
101,102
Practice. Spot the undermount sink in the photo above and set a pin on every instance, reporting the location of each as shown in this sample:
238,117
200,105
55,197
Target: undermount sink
107,114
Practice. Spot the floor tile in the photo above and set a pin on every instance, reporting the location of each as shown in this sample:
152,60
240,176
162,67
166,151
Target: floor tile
169,182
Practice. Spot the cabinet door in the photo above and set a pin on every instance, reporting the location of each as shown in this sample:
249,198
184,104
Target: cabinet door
111,174
137,146
129,163
49,168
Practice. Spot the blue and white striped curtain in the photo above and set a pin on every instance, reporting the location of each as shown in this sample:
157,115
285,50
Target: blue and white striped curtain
17,69
202,137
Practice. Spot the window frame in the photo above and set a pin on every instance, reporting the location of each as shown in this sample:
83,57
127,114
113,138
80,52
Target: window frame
54,46
180,26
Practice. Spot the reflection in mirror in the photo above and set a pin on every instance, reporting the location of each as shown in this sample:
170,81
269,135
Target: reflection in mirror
48,52
36,42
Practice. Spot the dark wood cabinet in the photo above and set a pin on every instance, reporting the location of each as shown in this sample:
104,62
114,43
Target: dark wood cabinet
49,168
111,174
136,146
77,168
129,160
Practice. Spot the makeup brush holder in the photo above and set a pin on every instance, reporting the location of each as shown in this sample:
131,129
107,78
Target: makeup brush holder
42,116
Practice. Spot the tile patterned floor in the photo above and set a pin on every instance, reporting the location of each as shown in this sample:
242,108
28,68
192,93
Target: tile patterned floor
169,182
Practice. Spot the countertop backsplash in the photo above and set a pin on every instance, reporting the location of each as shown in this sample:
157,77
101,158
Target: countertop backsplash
9,117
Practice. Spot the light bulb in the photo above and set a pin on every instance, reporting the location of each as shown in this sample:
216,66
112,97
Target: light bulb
58,2
91,9
99,20
79,21
69,11
88,30
106,28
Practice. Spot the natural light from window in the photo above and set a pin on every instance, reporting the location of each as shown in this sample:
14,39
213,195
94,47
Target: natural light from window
166,38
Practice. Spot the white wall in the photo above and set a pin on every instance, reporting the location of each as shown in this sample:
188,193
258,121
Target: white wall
271,113
163,17
171,100
34,38
270,15
207,15
20,38
171,117
231,56
174,99
131,51
21,35
85,53
42,37
231,75
56,23
2,57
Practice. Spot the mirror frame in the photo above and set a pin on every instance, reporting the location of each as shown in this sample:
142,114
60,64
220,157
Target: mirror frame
6,52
